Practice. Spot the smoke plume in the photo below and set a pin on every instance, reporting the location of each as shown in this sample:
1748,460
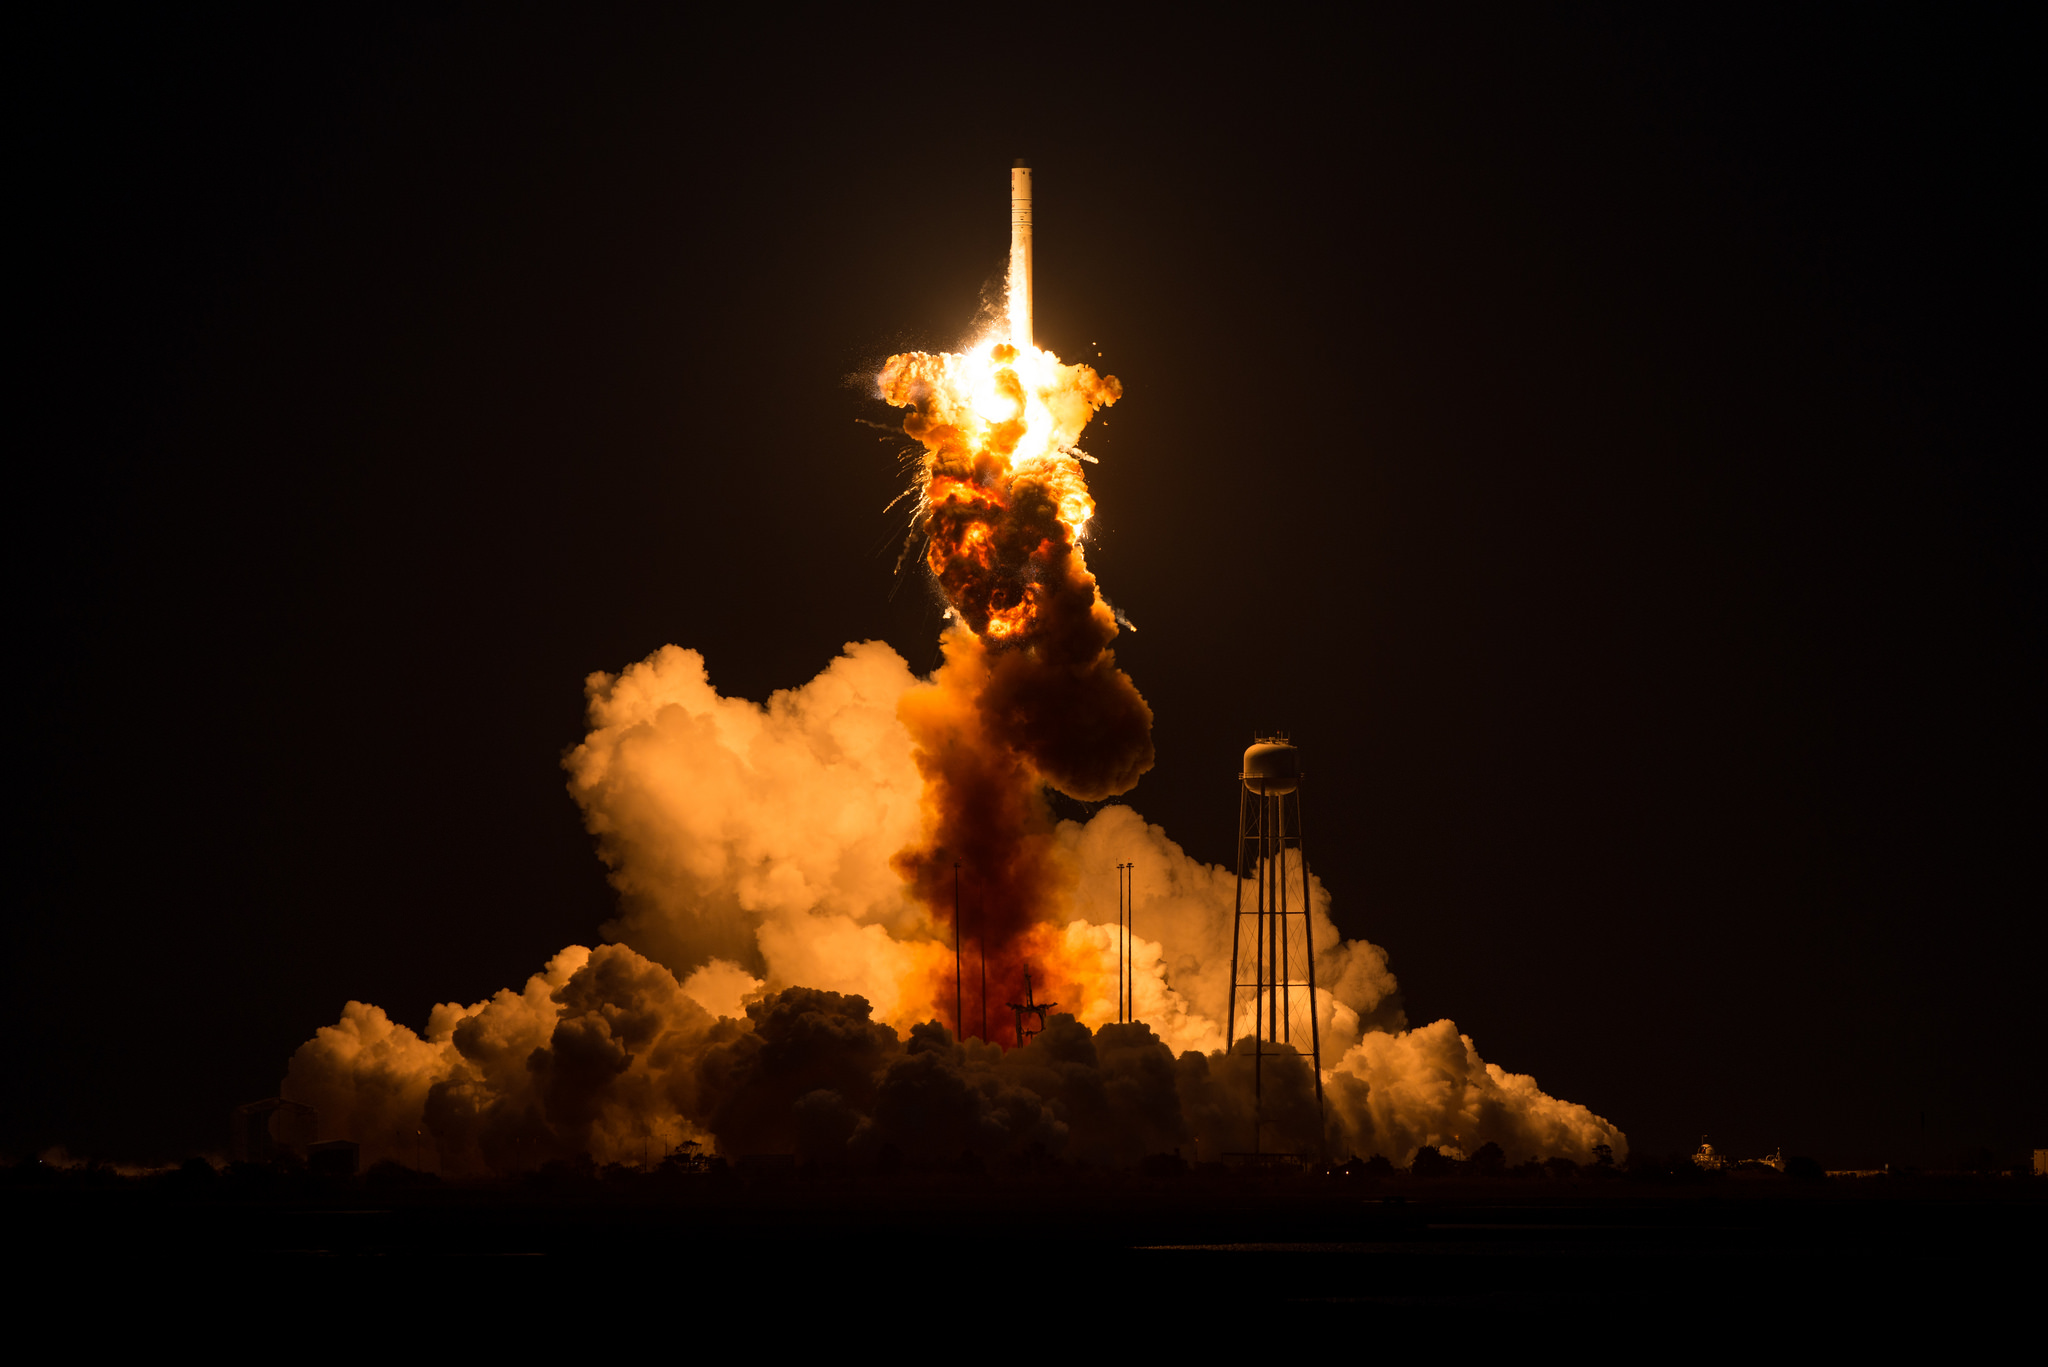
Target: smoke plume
1030,695
757,1001
799,883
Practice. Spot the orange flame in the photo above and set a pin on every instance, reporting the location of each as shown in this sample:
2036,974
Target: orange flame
1030,695
1001,493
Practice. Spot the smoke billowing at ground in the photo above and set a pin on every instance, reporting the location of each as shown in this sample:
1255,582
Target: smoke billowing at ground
771,988
796,880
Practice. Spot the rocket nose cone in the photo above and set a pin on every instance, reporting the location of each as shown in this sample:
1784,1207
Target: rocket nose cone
1021,164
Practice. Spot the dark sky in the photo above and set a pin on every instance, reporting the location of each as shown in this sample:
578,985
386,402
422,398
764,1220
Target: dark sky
1598,439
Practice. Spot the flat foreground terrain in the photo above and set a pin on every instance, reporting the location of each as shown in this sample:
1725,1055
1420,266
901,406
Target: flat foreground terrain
1240,1239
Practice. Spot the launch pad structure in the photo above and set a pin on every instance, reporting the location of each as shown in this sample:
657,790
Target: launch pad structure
1282,987
1028,1007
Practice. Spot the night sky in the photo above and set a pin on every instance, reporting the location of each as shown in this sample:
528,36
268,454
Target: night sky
1598,440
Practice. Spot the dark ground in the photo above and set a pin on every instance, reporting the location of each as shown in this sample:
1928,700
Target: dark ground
1327,1242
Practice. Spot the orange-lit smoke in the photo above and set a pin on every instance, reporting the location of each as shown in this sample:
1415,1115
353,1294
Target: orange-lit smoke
1029,695
774,983
783,973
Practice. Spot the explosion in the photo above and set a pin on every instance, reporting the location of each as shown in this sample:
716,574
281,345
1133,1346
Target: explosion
1030,695
781,976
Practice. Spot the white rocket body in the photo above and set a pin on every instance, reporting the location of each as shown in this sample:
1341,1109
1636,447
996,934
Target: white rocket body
1020,255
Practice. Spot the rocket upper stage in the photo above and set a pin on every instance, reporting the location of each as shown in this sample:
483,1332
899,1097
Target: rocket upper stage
1020,254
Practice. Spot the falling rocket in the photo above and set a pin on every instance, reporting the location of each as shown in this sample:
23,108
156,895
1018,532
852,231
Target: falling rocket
1020,254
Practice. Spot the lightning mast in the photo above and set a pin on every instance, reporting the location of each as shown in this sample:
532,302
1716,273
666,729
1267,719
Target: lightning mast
1126,957
959,1025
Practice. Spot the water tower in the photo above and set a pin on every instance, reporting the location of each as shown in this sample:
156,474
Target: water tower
1272,951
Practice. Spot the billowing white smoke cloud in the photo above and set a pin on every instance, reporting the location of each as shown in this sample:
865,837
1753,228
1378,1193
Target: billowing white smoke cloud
750,847
1181,918
583,1060
758,837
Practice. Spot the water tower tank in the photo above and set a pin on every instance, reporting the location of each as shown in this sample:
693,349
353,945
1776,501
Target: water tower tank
1272,767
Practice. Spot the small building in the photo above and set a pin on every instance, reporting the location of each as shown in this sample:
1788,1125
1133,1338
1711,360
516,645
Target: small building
268,1130
335,1158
